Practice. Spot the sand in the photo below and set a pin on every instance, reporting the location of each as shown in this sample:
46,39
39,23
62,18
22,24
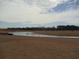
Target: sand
19,47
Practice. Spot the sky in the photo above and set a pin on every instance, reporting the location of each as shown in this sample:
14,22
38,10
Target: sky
37,13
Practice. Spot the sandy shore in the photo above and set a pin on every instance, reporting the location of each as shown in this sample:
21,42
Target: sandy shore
17,47
57,33
60,33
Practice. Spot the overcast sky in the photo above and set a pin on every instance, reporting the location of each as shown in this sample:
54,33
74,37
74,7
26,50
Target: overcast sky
41,12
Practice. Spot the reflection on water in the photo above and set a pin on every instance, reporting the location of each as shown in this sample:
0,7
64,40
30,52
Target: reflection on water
22,33
32,34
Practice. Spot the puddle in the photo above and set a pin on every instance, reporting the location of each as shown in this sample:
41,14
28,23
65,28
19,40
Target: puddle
32,34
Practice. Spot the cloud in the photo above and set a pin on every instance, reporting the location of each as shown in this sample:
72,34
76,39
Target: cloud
37,12
67,5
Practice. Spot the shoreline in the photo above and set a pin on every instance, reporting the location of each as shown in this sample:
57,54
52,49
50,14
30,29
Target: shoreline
55,33
52,34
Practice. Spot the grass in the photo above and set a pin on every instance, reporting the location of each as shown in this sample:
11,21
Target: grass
17,47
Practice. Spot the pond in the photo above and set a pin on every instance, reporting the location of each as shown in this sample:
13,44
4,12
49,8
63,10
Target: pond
33,34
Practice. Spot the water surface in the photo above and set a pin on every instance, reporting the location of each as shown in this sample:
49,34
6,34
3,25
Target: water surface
33,34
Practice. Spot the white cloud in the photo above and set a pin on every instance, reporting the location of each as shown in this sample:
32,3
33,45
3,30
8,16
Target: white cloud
21,11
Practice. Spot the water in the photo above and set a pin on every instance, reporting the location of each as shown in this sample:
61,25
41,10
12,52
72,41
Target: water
32,34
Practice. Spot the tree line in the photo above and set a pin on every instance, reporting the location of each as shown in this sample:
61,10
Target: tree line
59,27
